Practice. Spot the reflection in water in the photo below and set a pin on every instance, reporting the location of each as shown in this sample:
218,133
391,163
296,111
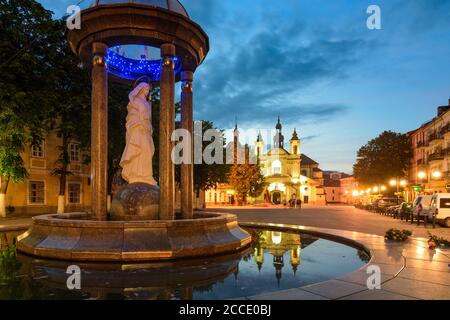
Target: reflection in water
275,261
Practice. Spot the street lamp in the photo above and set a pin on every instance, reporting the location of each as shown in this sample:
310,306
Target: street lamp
437,174
375,189
421,175
296,181
383,188
397,183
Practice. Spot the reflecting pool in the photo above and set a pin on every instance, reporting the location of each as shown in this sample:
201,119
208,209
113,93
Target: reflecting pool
275,261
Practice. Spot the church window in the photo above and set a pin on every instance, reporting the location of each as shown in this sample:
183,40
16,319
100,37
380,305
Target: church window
276,167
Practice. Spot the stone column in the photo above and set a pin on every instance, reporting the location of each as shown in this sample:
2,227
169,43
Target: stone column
187,169
99,131
167,126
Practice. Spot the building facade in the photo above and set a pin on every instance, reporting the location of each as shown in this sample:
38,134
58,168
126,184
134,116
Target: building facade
38,194
349,190
289,174
430,163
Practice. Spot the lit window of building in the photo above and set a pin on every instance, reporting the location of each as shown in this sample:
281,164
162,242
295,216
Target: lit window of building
75,152
74,193
36,192
38,150
276,167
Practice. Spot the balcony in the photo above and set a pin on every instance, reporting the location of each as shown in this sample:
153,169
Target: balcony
435,137
420,144
421,162
437,156
445,129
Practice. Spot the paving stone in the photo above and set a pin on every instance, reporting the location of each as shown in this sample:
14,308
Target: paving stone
427,265
360,277
292,294
418,289
438,277
334,289
377,295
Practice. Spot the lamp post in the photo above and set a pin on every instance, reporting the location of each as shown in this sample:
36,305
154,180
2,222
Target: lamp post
397,182
296,181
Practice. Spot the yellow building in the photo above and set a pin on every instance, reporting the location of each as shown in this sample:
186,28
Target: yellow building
430,163
39,193
289,174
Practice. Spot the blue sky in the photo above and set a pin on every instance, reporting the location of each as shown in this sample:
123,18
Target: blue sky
316,63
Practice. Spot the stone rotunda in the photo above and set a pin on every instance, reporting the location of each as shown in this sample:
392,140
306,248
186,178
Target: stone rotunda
163,25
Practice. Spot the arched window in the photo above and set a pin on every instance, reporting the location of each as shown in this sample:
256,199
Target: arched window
276,167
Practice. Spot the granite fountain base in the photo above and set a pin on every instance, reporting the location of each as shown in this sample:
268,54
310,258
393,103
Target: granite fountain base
78,237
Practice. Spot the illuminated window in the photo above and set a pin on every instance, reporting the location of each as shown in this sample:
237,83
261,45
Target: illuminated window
37,151
36,192
276,167
74,193
75,152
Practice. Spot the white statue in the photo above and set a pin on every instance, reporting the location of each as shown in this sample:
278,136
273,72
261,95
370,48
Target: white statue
137,157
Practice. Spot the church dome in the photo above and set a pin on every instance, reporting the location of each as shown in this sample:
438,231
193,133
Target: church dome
172,5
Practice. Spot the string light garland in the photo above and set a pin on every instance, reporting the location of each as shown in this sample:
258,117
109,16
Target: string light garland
133,69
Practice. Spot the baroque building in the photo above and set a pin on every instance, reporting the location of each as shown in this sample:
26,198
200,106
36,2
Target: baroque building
289,174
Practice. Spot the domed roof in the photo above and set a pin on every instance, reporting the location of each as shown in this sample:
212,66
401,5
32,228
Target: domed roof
172,5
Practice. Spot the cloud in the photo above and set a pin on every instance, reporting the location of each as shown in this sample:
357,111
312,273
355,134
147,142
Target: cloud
260,76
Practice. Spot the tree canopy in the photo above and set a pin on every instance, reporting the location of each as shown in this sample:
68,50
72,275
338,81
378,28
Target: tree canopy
383,158
246,179
28,55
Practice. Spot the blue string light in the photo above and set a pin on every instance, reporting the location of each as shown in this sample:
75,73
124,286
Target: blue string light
133,69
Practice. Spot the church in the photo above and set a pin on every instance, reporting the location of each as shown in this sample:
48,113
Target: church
289,174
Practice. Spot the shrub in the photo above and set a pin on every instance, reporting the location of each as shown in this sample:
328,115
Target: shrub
398,235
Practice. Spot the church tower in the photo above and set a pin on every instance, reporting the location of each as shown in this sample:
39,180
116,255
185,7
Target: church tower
236,143
278,140
259,150
295,143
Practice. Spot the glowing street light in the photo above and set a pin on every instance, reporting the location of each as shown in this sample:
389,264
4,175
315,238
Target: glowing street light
393,183
383,188
421,175
437,174
375,189
403,183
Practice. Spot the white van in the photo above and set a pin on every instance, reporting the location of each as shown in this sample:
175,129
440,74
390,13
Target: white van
422,203
440,205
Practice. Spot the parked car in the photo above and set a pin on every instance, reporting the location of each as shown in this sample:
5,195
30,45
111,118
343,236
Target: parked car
440,207
422,205
382,204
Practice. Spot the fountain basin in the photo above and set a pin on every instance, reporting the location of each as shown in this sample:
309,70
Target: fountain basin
76,237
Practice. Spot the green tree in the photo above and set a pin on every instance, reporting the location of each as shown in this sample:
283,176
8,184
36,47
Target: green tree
70,115
246,179
207,176
383,158
26,43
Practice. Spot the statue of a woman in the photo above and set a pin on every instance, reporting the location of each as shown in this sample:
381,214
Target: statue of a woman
137,157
